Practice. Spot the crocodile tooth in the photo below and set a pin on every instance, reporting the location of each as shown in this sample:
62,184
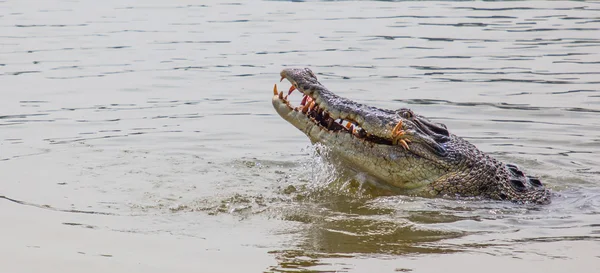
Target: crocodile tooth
303,102
275,92
292,88
404,144
280,95
305,108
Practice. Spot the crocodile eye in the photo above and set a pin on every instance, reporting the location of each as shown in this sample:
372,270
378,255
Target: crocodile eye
405,113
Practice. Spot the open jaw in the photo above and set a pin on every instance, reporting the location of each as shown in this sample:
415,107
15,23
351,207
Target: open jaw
315,111
311,112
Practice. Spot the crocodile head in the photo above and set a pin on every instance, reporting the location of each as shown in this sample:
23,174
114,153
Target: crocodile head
403,151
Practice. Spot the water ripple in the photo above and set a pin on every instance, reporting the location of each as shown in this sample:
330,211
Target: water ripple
162,111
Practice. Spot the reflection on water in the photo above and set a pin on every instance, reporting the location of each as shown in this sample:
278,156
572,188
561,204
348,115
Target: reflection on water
341,226
162,111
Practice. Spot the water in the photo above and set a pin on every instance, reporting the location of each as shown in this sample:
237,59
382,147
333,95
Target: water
140,136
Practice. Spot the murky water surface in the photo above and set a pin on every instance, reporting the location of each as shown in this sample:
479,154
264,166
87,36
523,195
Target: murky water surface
139,136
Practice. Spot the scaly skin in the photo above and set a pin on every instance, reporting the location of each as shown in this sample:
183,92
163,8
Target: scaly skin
404,152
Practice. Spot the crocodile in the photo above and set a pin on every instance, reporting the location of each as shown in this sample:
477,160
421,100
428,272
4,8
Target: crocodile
404,152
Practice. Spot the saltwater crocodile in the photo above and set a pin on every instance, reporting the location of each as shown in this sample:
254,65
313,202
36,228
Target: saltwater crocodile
405,152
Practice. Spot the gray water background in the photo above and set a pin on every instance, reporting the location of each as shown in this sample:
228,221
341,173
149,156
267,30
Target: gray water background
143,132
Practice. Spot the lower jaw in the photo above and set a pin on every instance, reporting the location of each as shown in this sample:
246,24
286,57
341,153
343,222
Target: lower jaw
313,129
305,124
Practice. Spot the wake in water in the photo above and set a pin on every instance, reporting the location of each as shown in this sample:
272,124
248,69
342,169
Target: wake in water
325,173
